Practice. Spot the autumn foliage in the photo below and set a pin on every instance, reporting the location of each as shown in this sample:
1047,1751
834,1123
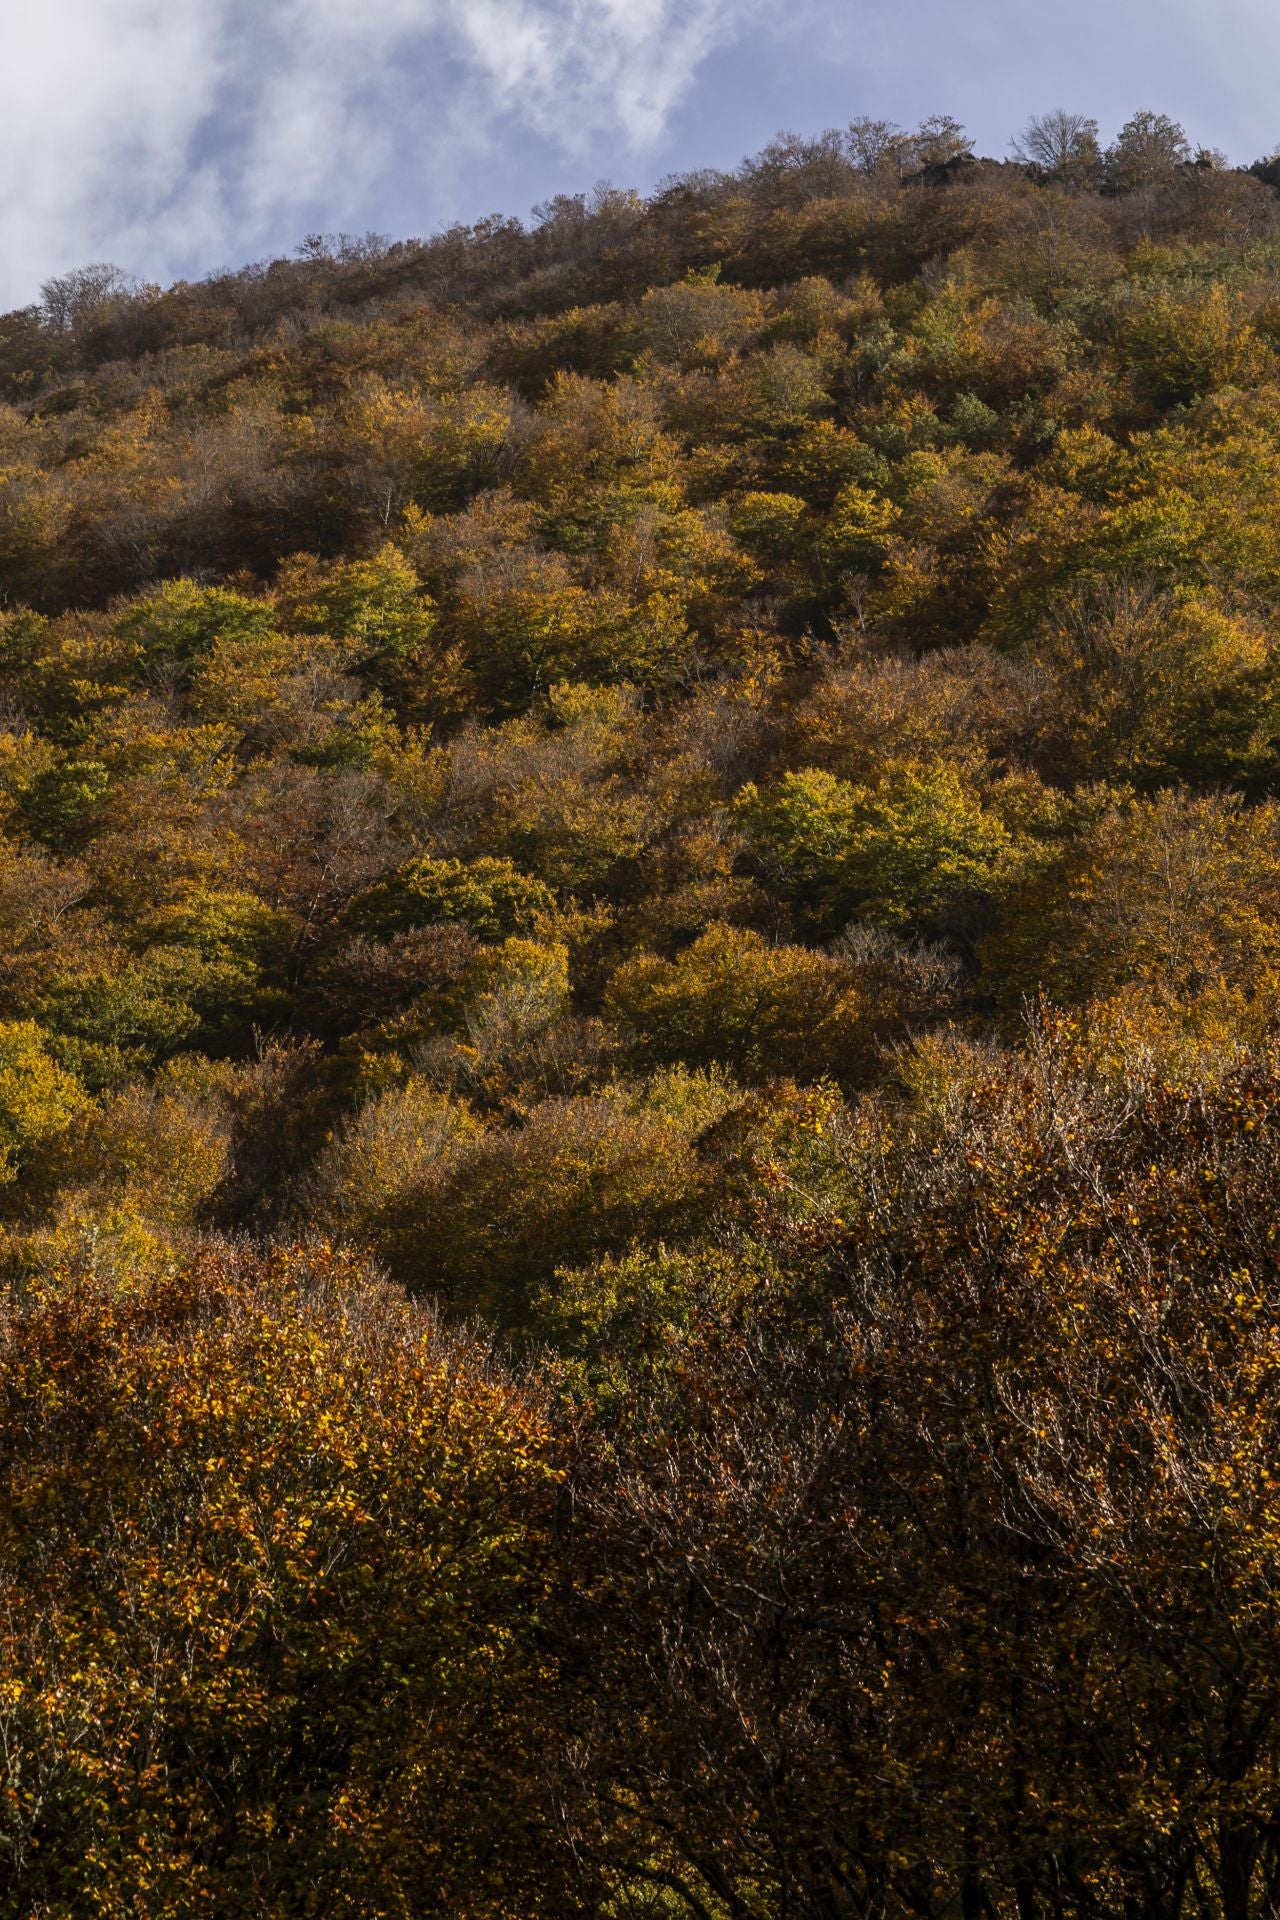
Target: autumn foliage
639,1062
276,1552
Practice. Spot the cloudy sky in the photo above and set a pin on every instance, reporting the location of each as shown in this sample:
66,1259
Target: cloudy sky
177,136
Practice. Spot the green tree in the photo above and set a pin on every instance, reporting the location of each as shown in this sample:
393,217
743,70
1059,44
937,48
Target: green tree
920,851
1147,151
761,1010
489,895
38,1098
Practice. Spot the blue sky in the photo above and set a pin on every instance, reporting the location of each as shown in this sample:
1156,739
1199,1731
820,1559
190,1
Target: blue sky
177,136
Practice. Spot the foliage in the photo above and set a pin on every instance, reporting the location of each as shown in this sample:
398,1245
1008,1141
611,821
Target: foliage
490,896
696,782
37,1097
918,851
274,1547
943,1586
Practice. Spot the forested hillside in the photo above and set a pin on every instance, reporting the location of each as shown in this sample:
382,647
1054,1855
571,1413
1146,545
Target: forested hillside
640,1057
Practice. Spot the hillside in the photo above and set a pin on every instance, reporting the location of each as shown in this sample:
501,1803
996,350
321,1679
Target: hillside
640,937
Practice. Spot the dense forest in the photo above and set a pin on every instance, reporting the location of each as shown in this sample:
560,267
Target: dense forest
640,1056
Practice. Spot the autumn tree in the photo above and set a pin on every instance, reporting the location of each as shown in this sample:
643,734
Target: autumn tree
293,1653
1146,151
920,1577
1063,144
69,299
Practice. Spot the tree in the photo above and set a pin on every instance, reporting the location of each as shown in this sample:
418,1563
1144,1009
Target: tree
1147,151
1179,893
1142,686
791,168
939,140
273,1641
919,850
174,627
558,757
38,1098
909,1591
581,1177
490,895
765,1010
397,1144
876,147
148,1157
68,300
759,1009
1063,144
376,605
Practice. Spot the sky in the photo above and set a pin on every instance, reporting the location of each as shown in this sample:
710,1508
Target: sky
177,137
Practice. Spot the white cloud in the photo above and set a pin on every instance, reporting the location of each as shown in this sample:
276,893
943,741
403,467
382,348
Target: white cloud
169,133
572,69
177,135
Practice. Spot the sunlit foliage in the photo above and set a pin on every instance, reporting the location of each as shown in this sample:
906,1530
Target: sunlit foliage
693,790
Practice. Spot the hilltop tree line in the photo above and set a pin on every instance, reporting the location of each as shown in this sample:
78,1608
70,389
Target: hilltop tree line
639,1076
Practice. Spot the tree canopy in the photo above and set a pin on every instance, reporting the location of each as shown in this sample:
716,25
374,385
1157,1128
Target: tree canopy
639,1061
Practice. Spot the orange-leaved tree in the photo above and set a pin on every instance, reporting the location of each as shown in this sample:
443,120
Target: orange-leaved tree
275,1556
